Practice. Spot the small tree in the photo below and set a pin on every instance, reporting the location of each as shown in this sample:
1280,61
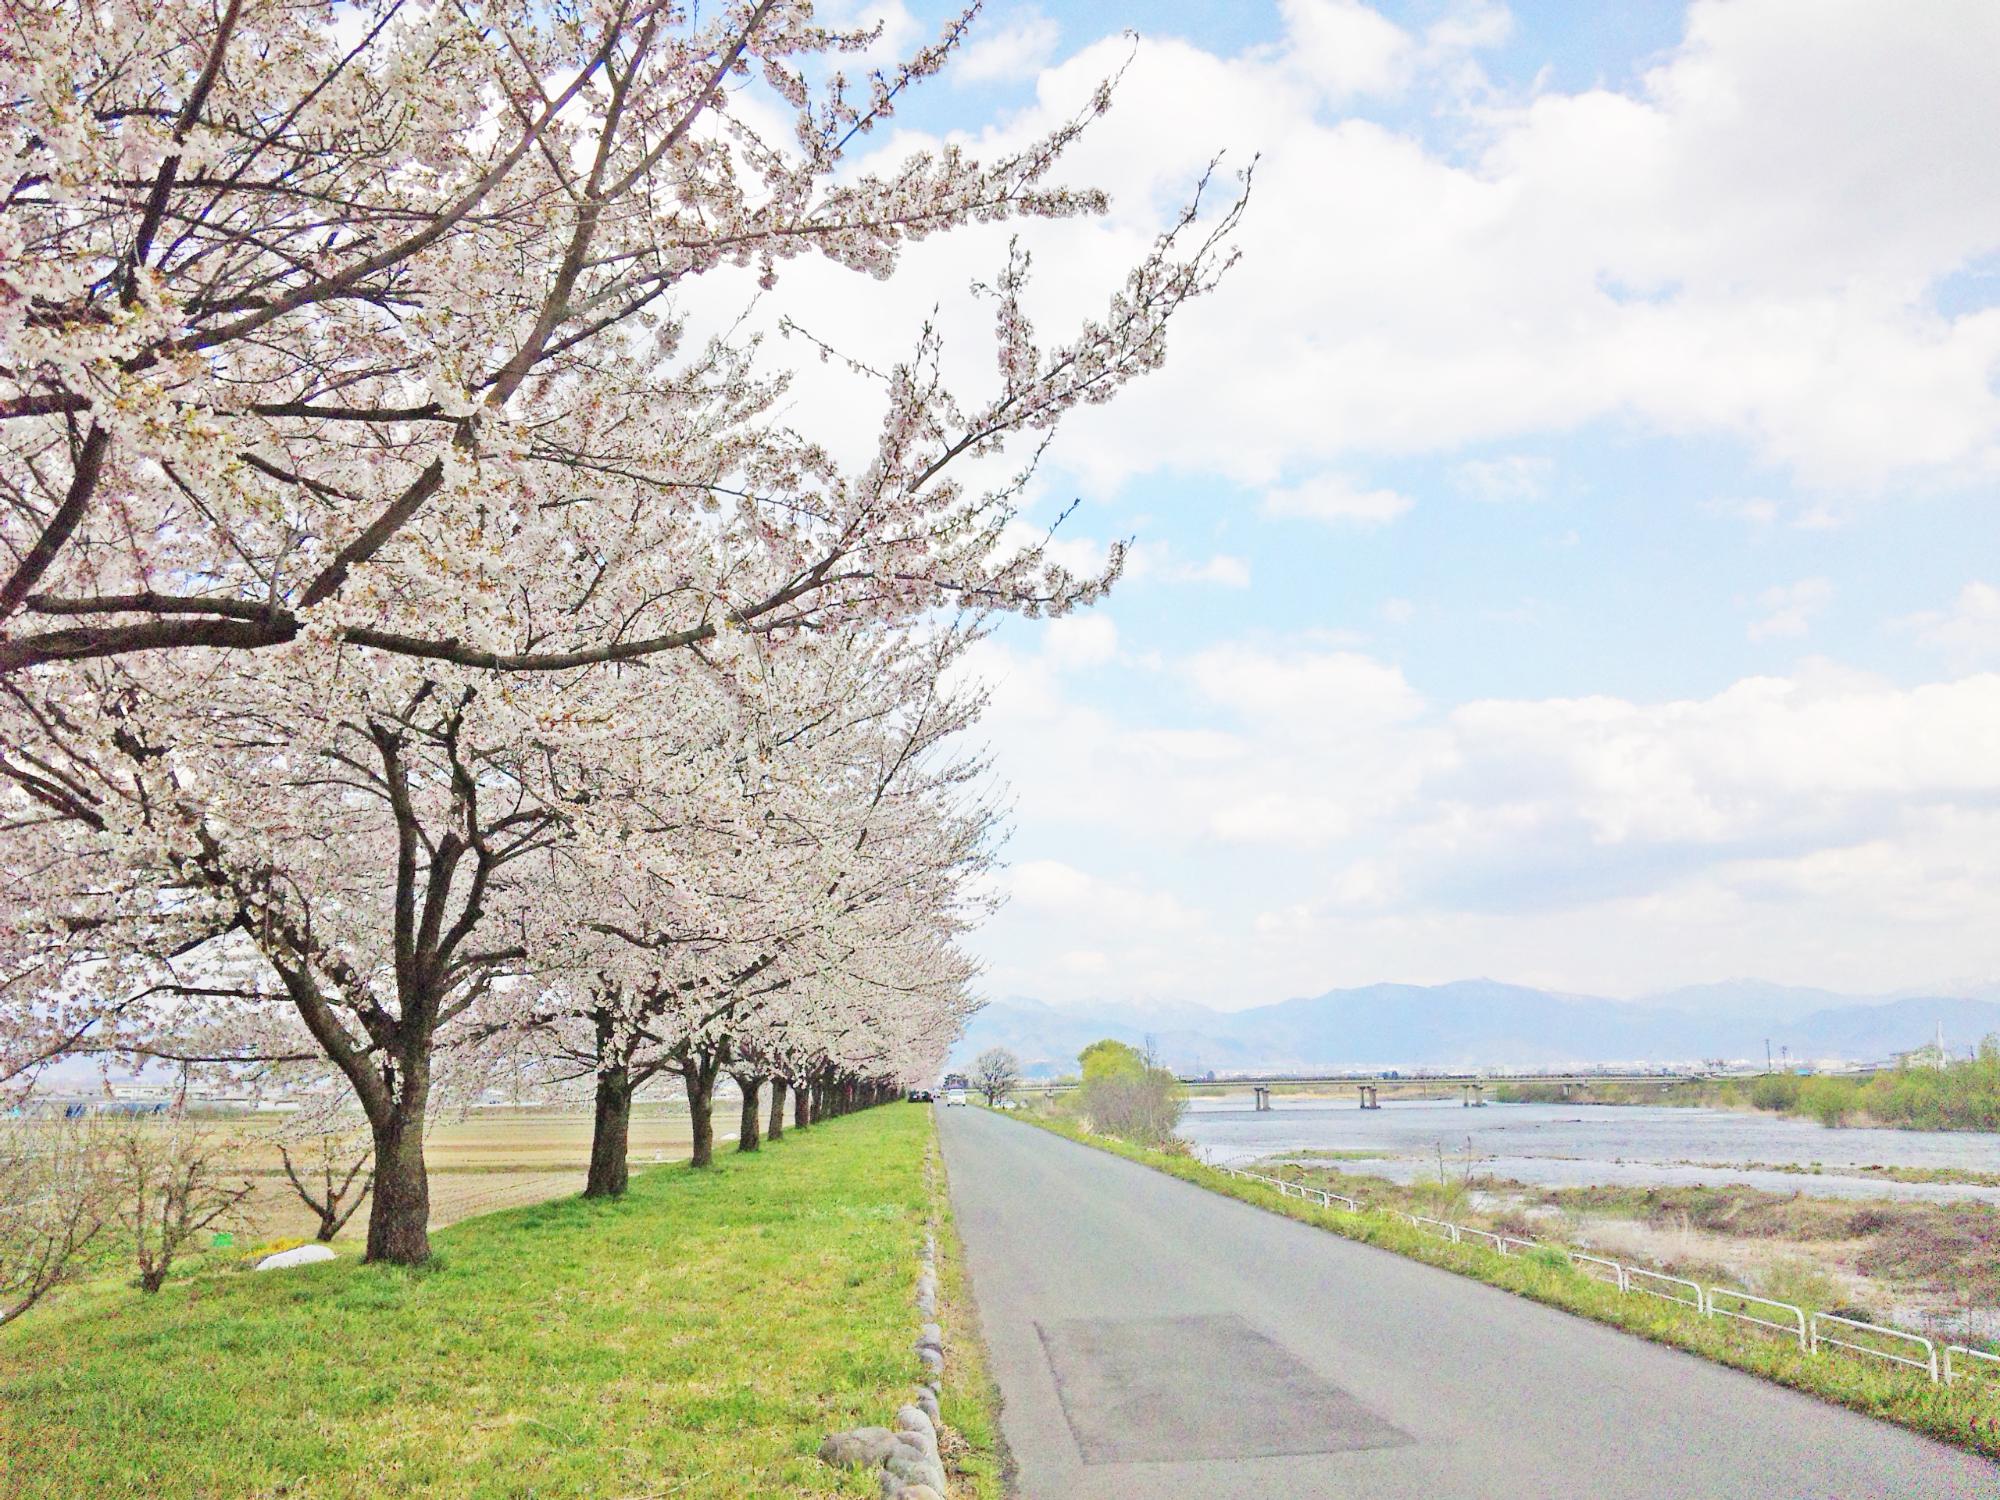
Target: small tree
995,1072
52,1205
1125,1095
1109,1059
170,1187
329,1151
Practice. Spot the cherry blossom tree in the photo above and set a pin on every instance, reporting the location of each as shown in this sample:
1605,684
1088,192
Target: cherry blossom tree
995,1073
384,565
336,1160
363,330
726,941
55,1201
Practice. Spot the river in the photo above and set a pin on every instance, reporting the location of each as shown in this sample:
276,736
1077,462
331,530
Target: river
1575,1145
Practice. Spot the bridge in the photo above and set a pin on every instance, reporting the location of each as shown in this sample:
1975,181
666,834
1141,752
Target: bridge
1472,1086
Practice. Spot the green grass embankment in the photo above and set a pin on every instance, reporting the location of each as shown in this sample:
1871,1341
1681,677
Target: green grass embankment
695,1339
1966,1415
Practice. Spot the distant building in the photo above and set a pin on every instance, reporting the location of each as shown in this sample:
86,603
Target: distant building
142,1093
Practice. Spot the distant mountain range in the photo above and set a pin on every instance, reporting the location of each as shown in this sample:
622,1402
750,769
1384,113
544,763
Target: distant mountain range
1484,1023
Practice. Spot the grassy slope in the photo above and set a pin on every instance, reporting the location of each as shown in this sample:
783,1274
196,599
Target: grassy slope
1967,1415
695,1339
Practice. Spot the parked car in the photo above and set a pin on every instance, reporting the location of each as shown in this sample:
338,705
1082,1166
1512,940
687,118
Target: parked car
920,1096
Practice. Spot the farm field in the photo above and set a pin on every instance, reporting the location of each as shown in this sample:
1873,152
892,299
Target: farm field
707,1331
488,1160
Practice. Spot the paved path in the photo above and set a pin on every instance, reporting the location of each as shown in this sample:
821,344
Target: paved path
1152,1339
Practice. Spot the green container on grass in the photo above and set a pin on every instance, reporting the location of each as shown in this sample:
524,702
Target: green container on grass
222,1241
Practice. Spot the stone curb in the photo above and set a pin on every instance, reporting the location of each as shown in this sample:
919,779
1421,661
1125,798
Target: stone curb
907,1454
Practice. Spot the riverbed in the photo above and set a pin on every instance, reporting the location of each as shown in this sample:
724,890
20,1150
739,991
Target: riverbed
1581,1145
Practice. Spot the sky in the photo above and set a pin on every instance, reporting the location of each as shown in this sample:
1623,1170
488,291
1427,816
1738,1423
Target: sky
1563,549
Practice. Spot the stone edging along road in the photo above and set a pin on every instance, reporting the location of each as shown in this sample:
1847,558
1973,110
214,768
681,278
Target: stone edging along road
1833,1364
907,1456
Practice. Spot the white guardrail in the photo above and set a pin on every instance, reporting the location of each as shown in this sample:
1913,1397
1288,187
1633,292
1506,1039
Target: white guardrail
1595,1266
1983,1363
1929,1361
1814,1332
1667,1288
1745,1314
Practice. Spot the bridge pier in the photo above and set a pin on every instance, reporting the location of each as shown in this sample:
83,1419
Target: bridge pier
1472,1095
1368,1099
1262,1096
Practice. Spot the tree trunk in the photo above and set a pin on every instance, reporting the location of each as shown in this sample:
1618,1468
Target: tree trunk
748,1136
776,1129
801,1105
698,1072
399,1219
610,1136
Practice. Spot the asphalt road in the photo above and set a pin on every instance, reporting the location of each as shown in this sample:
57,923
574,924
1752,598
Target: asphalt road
1153,1339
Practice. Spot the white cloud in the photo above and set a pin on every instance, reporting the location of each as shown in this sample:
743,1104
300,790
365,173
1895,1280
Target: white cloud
1318,693
1788,609
1090,934
1156,560
1336,499
1080,640
1345,49
1518,476
899,36
1742,244
1313,820
1229,572
1745,244
1019,47
1398,611
1468,26
1049,885
1968,633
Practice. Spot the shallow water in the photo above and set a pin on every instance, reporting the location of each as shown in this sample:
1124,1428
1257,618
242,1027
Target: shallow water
1577,1145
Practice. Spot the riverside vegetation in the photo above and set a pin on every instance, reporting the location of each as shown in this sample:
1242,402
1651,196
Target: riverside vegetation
708,1327
1126,1093
1924,1091
1931,1267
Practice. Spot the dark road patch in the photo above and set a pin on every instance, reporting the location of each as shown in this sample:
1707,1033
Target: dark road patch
1144,1390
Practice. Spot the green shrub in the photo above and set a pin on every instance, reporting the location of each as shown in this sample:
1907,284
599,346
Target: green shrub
1775,1091
1549,1259
1124,1095
1830,1100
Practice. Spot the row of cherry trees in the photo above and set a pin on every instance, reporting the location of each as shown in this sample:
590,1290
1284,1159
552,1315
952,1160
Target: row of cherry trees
421,662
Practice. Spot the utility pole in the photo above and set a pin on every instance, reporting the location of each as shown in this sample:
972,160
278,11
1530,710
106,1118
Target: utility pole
1767,1054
